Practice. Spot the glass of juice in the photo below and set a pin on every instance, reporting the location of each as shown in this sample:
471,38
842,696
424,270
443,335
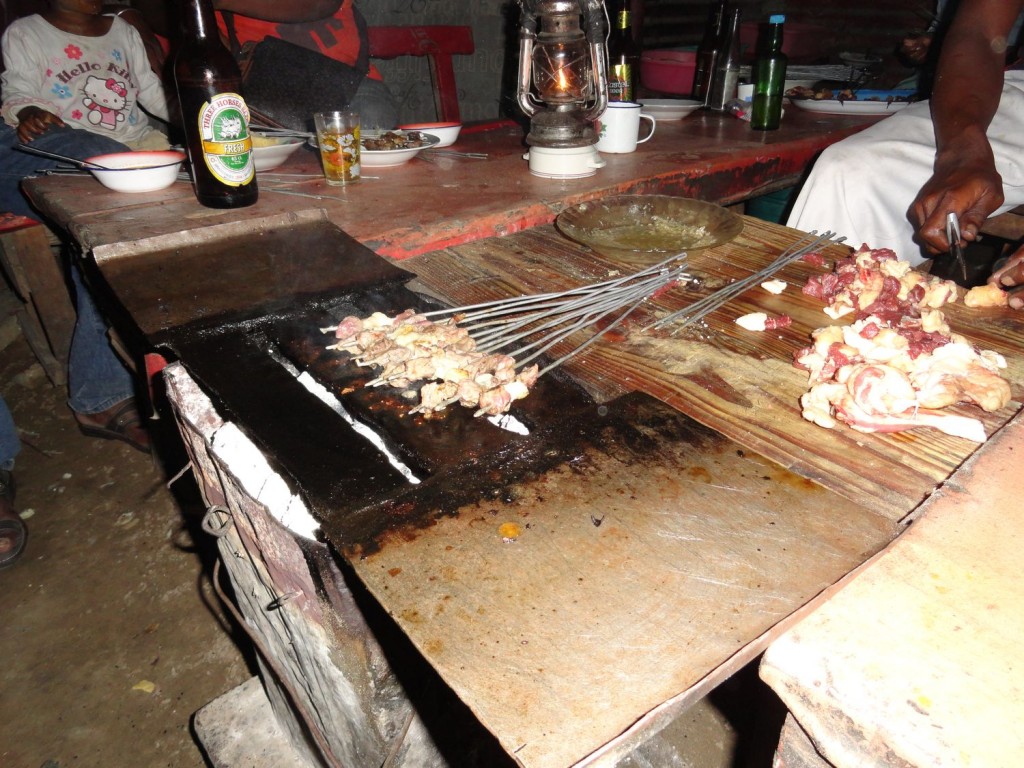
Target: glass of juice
337,135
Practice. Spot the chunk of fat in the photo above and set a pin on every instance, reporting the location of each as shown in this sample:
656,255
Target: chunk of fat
988,295
774,286
755,321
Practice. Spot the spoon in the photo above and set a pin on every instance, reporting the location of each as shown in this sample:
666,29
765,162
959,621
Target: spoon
54,156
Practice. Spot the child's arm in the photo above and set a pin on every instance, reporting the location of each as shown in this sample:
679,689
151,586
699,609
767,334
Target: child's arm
25,105
152,95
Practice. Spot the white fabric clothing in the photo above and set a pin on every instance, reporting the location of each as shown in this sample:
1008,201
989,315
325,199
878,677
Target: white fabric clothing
95,83
862,186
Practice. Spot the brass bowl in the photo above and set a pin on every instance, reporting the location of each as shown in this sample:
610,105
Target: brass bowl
644,229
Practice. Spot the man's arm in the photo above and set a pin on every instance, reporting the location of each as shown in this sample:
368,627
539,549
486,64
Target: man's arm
275,10
290,11
967,90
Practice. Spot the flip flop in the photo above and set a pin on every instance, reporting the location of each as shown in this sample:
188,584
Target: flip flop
13,534
122,418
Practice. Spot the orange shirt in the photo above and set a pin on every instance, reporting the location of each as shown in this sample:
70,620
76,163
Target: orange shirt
338,36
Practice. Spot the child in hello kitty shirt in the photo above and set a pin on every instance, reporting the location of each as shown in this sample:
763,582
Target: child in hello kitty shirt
74,67
73,84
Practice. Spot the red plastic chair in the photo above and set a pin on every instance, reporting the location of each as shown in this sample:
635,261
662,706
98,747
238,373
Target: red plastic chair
438,44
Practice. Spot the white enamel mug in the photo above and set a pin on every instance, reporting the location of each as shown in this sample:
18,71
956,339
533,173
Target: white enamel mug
619,127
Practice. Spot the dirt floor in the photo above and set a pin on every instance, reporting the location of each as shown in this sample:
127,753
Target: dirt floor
111,636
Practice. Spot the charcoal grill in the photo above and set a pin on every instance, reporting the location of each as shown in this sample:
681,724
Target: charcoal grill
242,310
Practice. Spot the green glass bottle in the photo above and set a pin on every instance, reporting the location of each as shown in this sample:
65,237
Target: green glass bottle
770,79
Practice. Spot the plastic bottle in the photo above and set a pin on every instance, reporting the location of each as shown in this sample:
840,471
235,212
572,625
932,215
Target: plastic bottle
727,66
769,85
623,57
216,119
707,52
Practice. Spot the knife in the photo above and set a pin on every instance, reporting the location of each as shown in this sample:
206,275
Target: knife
953,236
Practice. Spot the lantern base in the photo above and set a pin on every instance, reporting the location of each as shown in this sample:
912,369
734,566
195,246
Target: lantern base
560,129
564,162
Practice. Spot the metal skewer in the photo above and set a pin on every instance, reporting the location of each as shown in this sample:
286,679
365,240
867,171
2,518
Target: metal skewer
708,304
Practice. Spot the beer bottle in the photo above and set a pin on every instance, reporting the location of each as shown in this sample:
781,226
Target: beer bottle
623,57
707,52
769,82
216,119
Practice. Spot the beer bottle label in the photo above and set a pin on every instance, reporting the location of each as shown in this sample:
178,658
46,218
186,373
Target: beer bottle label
620,83
227,145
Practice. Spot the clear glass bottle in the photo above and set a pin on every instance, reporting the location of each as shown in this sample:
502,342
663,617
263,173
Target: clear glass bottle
623,56
770,78
216,119
707,52
727,67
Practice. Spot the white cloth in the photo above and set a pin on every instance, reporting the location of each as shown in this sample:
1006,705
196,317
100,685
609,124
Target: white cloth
95,83
862,187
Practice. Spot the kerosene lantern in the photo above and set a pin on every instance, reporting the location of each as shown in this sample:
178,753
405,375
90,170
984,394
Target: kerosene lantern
563,86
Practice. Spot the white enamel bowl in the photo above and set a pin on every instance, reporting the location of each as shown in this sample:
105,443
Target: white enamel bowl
270,151
447,133
142,171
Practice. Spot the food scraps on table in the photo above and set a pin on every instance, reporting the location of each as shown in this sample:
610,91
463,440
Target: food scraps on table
898,364
441,357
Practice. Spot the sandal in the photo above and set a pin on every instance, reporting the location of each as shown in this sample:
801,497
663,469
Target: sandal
123,423
13,534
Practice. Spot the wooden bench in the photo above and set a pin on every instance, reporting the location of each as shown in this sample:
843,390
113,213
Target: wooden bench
438,43
35,271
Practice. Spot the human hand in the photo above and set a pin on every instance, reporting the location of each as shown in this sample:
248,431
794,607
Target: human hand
1011,275
33,122
968,185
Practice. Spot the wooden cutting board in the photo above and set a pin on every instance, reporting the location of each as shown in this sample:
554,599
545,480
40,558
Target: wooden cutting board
742,384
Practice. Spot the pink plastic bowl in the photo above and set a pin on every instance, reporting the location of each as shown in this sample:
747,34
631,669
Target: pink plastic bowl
668,71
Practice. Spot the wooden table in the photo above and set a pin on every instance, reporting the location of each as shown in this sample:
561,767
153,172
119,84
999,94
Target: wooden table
644,577
426,205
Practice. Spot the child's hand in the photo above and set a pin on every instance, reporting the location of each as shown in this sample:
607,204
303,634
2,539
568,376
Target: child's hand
33,122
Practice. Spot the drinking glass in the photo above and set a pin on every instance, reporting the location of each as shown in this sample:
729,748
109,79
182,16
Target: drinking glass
337,135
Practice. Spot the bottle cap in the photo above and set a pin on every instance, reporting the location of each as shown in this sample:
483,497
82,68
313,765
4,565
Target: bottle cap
777,18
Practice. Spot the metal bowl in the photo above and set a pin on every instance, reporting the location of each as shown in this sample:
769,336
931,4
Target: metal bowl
644,229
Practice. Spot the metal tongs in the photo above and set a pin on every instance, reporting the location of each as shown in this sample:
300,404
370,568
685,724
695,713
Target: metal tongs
953,237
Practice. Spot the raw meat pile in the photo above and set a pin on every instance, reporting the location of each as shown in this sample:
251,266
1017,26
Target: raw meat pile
898,363
409,348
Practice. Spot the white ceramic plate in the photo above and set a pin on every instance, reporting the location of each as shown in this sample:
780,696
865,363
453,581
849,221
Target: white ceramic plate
272,155
833,107
386,158
669,109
